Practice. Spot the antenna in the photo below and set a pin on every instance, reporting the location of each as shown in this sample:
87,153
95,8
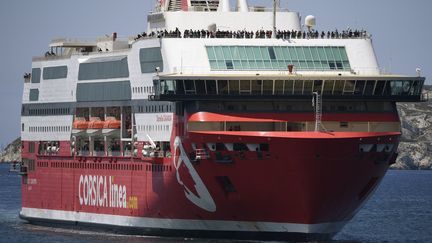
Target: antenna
418,71
274,17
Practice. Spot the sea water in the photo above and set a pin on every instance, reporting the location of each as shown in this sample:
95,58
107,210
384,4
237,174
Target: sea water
399,211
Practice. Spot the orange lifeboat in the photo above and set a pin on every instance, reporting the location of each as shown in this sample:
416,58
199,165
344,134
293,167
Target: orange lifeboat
112,123
80,123
96,123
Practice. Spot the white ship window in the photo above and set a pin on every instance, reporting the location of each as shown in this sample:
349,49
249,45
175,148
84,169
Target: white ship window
57,111
55,72
150,59
34,95
35,77
105,91
278,58
111,68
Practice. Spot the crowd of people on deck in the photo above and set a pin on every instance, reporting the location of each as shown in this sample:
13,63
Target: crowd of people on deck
27,76
259,34
49,53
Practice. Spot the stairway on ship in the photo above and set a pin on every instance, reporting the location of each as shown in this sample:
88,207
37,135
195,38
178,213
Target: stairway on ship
205,5
175,5
198,5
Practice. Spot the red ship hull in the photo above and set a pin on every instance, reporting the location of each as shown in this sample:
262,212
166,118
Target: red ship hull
306,185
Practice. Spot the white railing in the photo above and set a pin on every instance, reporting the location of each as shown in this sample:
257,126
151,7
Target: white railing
265,9
45,58
74,40
99,52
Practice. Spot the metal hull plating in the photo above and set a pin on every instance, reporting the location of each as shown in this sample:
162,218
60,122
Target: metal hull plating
310,183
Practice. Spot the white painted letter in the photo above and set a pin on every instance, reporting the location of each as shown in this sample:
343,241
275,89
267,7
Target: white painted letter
86,190
79,190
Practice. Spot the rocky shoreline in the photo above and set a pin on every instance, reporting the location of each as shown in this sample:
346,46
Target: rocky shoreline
12,152
415,149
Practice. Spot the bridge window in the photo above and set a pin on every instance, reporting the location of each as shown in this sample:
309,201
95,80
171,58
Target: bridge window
223,87
234,86
256,86
189,86
328,87
379,88
369,88
211,86
384,88
267,87
245,86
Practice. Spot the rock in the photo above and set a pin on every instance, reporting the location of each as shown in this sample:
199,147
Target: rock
12,152
415,149
413,156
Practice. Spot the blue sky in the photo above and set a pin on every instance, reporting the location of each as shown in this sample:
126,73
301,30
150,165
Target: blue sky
400,28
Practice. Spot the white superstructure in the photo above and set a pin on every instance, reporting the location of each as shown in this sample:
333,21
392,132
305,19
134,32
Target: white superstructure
180,56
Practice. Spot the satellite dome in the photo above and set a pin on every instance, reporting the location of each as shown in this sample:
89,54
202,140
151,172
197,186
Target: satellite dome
310,21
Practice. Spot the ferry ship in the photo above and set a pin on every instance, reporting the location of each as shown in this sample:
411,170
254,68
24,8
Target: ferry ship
219,121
